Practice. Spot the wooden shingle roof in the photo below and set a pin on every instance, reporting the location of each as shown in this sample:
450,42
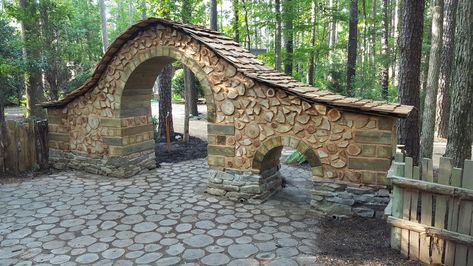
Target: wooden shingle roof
246,63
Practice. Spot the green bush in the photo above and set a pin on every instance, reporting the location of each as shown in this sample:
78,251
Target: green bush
177,86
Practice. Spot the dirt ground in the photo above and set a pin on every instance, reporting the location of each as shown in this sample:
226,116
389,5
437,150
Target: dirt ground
357,241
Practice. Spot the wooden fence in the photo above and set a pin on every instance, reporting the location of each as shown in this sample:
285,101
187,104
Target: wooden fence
25,147
431,216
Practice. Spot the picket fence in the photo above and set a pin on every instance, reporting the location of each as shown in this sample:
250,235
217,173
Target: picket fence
431,216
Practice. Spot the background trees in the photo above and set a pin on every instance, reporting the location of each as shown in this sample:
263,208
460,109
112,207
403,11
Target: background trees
321,42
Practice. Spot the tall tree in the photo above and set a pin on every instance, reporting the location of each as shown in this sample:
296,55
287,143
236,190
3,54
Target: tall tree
385,52
446,59
236,21
288,17
428,123
352,46
311,68
164,88
103,19
143,9
32,56
277,35
460,137
410,48
213,15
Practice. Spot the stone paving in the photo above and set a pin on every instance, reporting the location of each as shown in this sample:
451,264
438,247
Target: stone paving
162,217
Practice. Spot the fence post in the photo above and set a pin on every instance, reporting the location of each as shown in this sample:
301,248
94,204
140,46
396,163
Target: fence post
397,201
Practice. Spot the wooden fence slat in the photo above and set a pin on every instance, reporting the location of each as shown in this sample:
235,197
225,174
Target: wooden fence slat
32,144
397,201
453,205
445,170
23,163
41,149
12,149
426,210
406,208
468,175
414,236
464,219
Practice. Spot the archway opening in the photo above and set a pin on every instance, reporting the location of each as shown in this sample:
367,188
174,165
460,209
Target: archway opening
140,102
294,162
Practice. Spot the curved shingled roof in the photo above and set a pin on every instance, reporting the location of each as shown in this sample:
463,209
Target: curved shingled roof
246,63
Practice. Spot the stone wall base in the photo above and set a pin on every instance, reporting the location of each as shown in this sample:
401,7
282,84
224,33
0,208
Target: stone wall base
343,200
116,166
244,186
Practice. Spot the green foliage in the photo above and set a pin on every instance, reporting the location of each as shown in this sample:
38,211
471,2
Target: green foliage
296,157
177,86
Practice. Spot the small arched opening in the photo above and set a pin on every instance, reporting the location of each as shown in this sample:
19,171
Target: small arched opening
294,178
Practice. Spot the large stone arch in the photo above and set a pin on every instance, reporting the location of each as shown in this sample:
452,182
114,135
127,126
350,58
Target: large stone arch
100,127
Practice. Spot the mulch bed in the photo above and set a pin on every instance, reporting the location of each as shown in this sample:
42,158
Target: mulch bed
180,151
357,241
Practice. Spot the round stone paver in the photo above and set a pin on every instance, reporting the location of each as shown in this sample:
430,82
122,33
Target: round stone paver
241,251
199,241
160,217
215,259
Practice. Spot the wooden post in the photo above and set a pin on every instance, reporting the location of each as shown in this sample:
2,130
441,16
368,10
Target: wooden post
41,149
414,236
445,170
426,211
453,206
12,149
397,201
464,218
406,209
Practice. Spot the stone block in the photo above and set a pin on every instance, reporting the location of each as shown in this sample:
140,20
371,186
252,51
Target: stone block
216,161
221,150
136,130
375,137
216,129
333,209
364,212
111,122
368,150
360,190
385,123
253,189
221,140
338,200
58,136
113,141
369,164
216,191
385,152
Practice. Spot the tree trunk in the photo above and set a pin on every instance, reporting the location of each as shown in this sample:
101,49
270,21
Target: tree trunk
428,123
446,58
213,15
277,36
165,104
103,19
384,50
352,46
32,56
247,26
236,21
311,71
288,35
332,37
410,46
143,9
189,80
460,135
